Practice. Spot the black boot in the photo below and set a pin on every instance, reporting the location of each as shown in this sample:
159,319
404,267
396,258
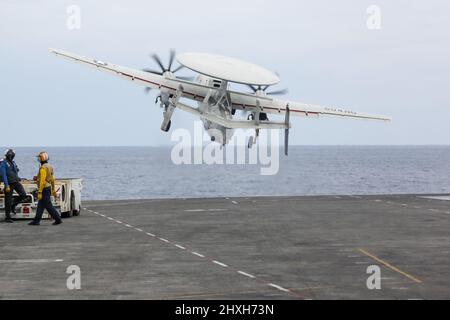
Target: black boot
8,220
57,222
34,223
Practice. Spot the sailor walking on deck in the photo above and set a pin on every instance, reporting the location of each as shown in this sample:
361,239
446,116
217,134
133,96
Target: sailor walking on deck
46,188
9,172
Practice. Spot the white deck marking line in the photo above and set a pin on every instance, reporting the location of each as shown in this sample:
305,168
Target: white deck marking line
214,261
31,260
110,219
447,212
197,254
278,287
235,202
102,215
203,210
433,210
400,288
417,207
220,263
246,274
404,204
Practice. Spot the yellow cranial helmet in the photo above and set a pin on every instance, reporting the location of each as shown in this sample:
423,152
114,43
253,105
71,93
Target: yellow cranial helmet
43,156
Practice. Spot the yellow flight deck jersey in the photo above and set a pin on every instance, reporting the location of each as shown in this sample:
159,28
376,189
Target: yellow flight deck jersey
45,177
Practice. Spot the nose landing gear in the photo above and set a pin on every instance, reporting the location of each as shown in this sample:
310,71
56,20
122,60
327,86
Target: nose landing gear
169,104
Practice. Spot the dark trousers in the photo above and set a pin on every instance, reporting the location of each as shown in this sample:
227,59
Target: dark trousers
46,203
11,204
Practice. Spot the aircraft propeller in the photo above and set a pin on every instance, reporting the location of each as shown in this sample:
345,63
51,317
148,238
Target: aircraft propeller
164,69
264,88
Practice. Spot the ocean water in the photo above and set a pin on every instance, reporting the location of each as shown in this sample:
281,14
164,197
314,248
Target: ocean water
148,172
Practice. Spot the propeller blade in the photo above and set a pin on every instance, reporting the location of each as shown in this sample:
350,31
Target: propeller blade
153,71
158,61
254,89
178,69
278,92
172,57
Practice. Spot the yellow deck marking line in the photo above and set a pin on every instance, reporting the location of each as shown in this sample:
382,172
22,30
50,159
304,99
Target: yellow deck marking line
390,266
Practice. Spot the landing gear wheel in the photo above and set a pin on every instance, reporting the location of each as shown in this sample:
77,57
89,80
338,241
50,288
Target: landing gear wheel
250,142
167,128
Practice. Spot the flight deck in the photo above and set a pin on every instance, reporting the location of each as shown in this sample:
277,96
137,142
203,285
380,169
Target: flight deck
316,247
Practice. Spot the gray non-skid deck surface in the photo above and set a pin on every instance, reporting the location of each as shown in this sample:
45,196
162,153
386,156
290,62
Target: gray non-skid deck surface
235,248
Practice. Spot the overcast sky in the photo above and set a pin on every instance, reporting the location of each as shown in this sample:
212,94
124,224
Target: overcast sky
323,51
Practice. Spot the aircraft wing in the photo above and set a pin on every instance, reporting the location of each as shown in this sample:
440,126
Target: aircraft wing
248,101
138,76
303,109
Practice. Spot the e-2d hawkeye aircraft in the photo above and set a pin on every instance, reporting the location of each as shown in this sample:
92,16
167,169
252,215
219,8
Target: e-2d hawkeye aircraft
217,104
